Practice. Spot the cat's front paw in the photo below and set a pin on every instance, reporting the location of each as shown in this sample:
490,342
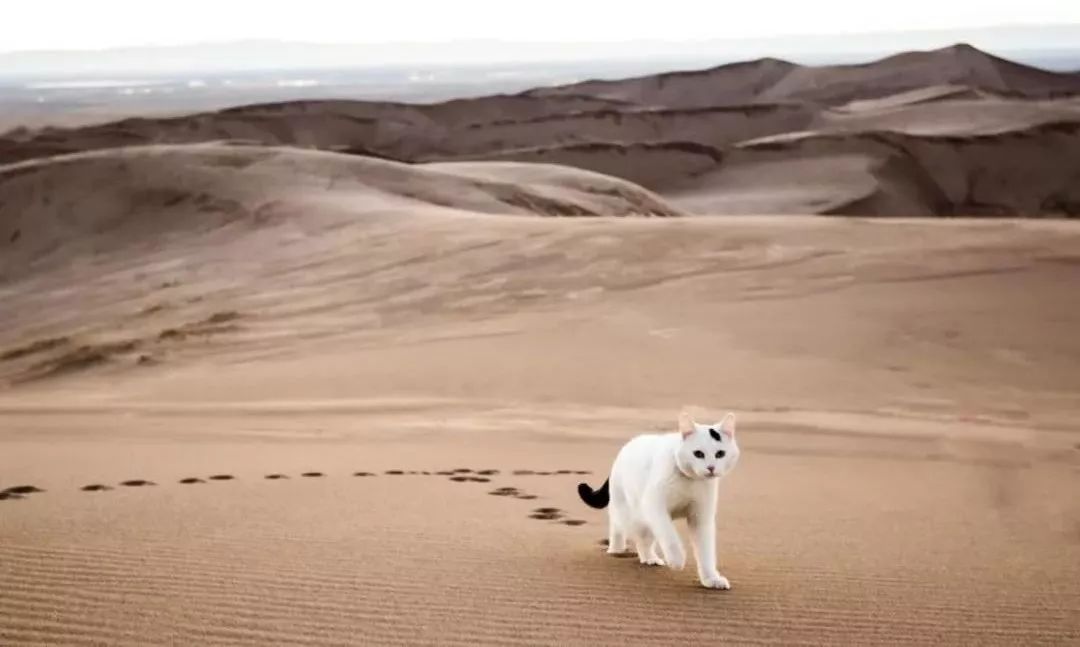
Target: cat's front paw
715,581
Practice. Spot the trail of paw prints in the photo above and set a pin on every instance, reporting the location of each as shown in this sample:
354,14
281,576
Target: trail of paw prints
469,475
188,480
456,475
541,514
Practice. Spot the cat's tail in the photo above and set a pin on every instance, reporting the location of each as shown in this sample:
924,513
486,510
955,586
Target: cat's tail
594,498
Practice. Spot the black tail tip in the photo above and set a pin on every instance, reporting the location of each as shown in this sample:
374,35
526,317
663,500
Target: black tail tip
594,498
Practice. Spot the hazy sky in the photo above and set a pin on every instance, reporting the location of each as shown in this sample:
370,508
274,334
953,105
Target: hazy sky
78,24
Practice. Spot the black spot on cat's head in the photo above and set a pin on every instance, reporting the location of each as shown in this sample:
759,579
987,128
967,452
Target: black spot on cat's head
715,434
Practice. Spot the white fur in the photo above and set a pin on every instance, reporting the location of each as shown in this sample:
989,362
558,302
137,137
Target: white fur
655,479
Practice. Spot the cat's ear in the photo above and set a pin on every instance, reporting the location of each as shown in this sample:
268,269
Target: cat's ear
686,424
727,425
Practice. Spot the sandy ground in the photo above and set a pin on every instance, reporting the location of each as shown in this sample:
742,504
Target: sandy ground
907,391
254,394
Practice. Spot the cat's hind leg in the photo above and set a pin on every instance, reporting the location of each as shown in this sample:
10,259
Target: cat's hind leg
616,536
617,528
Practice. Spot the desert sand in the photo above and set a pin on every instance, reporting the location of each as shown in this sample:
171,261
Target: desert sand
285,392
907,393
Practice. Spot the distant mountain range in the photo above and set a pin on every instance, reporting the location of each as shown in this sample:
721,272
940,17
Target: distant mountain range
1055,45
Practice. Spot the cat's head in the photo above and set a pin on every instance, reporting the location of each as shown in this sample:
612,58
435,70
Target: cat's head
707,450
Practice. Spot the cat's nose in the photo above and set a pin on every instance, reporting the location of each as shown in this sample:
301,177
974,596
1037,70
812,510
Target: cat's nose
711,468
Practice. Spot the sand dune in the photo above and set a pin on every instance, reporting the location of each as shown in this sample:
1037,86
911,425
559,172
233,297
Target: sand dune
1030,171
772,80
731,84
1016,173
136,196
393,128
662,130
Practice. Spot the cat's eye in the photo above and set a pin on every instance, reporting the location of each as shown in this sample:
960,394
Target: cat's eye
699,454
720,454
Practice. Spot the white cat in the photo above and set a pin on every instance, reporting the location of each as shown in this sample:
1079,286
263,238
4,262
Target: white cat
660,477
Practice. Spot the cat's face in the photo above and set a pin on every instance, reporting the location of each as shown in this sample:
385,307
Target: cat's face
708,450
